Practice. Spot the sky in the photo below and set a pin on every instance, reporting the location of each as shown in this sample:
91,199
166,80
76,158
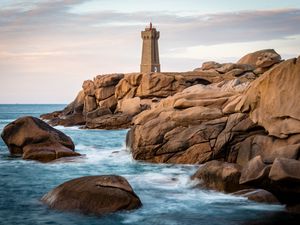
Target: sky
49,47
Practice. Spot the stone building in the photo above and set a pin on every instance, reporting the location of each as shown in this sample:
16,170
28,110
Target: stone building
150,54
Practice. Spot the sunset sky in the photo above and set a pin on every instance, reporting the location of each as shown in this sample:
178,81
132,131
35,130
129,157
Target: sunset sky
48,47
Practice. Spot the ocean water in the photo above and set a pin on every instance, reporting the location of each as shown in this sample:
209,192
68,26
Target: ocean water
166,191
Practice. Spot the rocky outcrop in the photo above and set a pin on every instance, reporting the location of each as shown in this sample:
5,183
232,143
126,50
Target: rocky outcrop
220,176
272,100
244,114
216,121
193,126
71,115
249,66
34,139
97,98
258,195
261,59
111,101
252,124
93,195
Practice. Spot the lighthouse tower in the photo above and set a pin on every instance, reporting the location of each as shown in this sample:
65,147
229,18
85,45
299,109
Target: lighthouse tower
150,55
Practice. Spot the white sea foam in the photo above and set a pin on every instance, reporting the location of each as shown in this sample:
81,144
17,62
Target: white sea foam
59,127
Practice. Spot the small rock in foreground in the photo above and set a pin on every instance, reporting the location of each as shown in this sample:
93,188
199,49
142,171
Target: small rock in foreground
93,195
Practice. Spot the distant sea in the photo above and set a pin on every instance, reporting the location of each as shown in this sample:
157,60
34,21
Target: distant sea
166,191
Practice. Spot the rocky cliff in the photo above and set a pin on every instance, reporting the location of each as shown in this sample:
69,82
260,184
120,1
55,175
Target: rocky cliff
245,115
252,127
111,101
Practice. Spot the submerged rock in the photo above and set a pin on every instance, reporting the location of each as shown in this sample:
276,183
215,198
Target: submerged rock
220,176
258,195
93,195
34,139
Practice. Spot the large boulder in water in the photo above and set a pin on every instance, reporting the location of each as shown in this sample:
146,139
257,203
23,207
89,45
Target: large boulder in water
221,176
93,195
258,195
34,139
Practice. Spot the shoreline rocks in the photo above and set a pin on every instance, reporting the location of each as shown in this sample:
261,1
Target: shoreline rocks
220,176
36,140
93,195
258,195
245,115
113,95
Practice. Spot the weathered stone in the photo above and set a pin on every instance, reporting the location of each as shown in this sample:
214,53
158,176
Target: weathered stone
286,151
134,79
267,146
220,176
130,106
104,92
75,119
272,99
90,103
231,104
258,195
110,103
235,72
107,80
210,65
285,170
35,139
196,154
262,58
254,171
52,115
45,152
93,195
110,121
226,67
127,87
197,113
155,85
98,112
88,87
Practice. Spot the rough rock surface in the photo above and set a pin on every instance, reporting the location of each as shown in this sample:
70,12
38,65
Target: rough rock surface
263,58
284,169
272,99
251,123
255,171
34,139
220,176
192,126
93,195
246,113
258,195
132,93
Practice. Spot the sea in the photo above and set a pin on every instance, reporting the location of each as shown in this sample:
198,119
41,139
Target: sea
168,194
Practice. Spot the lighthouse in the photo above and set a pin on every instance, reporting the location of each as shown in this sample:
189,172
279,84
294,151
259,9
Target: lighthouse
150,54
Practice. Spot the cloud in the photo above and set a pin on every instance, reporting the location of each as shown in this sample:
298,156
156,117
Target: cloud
243,26
49,42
